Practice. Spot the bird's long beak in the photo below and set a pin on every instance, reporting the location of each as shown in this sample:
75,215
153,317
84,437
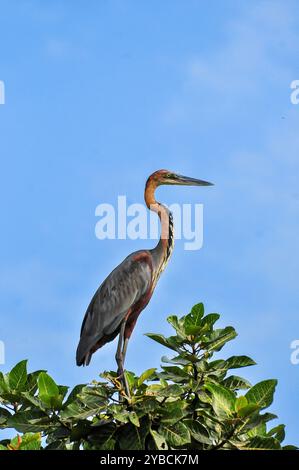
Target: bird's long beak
185,180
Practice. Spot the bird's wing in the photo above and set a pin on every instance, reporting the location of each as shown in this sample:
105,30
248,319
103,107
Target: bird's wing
119,292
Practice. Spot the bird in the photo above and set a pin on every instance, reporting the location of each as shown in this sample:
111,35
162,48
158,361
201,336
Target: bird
124,294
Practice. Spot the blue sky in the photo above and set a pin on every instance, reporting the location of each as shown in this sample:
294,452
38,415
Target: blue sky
98,96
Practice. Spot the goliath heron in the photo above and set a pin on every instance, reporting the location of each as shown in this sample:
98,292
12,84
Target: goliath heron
120,299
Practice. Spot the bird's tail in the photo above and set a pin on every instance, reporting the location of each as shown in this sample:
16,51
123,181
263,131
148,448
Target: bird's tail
84,351
90,344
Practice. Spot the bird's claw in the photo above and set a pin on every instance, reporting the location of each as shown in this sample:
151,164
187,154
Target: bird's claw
122,384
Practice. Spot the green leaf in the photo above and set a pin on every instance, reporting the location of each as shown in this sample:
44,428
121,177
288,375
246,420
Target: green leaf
18,376
257,418
104,438
263,443
76,410
198,431
133,438
278,432
193,331
4,415
90,399
47,386
174,373
149,404
233,382
209,320
131,379
31,385
4,385
60,432
63,389
175,435
48,391
145,376
177,324
197,312
236,362
33,400
173,413
134,419
223,400
260,430
219,338
240,403
122,416
176,360
29,421
162,340
159,440
262,393
247,410
217,365
31,441
73,394
192,321
79,431
172,390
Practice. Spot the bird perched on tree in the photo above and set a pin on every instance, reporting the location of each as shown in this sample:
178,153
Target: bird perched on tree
127,290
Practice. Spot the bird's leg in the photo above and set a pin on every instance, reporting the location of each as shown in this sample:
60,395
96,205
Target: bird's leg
120,358
124,352
119,351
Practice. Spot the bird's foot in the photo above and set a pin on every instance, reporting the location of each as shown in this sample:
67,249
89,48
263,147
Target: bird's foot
121,376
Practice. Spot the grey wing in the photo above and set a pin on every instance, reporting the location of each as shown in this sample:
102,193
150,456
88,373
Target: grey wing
119,292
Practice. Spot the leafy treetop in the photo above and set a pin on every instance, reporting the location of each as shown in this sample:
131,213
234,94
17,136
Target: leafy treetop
192,402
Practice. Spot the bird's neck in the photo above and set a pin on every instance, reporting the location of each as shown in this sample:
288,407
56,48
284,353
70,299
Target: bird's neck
162,252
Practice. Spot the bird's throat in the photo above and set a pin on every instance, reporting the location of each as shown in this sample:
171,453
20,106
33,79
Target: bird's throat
164,248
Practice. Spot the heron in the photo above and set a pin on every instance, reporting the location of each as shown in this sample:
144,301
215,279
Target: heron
118,302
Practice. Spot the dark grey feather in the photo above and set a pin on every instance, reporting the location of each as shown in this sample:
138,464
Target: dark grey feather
123,288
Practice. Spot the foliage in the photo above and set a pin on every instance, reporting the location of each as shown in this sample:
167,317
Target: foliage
193,402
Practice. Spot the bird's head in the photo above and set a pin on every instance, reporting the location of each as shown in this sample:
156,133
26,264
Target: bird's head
168,177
